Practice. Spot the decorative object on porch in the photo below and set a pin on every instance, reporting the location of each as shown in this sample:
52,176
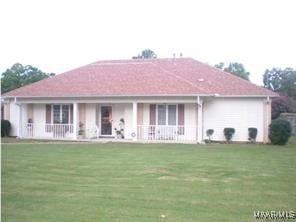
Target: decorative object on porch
92,132
30,127
228,133
81,130
210,133
252,134
120,130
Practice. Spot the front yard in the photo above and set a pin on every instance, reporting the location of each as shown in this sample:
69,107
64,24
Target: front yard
145,182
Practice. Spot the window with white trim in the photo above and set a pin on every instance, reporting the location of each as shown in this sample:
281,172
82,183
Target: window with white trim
61,114
167,115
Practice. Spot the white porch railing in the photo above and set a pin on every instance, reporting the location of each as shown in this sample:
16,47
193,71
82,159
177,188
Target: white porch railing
166,133
47,131
144,132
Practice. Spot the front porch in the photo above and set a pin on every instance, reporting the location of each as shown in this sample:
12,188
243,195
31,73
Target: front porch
143,122
144,133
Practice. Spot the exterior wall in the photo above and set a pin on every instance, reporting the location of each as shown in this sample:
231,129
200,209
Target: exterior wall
14,119
238,113
90,120
6,114
190,116
81,112
146,114
128,118
30,112
119,112
39,119
190,120
218,113
92,117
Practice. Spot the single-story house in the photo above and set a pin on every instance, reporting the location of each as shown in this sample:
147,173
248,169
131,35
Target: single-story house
176,99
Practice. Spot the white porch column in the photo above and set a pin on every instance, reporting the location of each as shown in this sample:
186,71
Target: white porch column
75,120
266,119
135,119
20,121
199,119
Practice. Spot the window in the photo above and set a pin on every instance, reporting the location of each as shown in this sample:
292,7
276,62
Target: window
65,114
172,115
161,111
167,115
56,114
61,114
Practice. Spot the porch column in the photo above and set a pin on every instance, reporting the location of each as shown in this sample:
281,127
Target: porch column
199,119
20,121
135,118
75,120
266,119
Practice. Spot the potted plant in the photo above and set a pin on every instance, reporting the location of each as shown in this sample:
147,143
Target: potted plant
120,130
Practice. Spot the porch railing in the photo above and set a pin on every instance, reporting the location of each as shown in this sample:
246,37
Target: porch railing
166,133
47,131
144,132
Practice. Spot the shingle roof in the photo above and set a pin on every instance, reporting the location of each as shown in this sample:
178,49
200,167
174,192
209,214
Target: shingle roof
178,76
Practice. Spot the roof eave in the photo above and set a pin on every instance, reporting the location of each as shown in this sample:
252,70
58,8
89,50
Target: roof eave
151,95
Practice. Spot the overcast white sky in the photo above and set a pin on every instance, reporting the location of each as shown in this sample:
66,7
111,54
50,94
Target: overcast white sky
58,35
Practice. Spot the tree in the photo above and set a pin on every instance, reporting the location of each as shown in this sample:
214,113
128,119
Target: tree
19,75
279,105
145,54
234,68
282,81
220,65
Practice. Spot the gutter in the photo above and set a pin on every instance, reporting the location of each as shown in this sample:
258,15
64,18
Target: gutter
156,95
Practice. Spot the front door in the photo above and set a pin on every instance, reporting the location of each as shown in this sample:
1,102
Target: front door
106,120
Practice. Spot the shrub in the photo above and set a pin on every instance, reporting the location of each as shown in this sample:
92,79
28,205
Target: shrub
228,133
252,134
279,131
210,133
5,127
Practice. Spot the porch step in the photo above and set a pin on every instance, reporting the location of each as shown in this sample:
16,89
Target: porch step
107,137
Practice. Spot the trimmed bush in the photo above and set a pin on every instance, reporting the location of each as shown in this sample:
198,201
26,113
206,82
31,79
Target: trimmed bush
5,127
252,134
279,131
228,133
210,133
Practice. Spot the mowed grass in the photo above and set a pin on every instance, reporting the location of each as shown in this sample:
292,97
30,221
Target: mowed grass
145,182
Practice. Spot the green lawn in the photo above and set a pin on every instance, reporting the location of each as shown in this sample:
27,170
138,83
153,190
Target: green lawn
141,182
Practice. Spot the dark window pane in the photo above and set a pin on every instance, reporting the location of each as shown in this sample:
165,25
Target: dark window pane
65,114
172,115
161,111
56,114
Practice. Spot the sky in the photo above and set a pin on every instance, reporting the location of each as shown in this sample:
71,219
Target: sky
59,35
